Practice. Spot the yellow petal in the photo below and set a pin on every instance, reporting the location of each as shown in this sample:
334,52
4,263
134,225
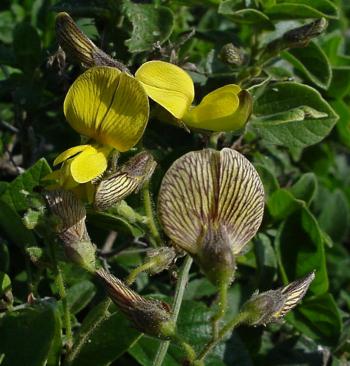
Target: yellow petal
88,165
168,85
109,106
225,109
69,153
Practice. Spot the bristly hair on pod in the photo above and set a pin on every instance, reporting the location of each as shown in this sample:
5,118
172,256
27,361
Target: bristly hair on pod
127,179
149,316
273,305
211,204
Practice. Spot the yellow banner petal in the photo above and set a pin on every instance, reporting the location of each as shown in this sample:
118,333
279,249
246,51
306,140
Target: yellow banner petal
69,153
109,106
168,85
225,109
88,165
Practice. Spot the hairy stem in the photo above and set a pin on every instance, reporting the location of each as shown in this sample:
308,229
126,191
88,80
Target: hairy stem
222,305
179,293
134,273
147,201
63,295
229,327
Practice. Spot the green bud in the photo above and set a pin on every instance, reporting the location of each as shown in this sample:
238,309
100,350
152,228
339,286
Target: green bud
161,259
127,179
273,305
231,55
82,253
149,316
38,256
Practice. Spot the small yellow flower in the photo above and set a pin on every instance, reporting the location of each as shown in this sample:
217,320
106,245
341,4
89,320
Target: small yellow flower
111,108
225,109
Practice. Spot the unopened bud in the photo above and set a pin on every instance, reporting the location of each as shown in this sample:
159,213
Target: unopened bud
71,213
273,305
231,54
301,36
128,179
161,259
79,47
149,316
72,229
38,256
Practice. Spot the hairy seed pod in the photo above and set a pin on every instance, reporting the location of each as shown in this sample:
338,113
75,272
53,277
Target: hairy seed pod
149,316
79,47
127,179
273,305
231,54
211,204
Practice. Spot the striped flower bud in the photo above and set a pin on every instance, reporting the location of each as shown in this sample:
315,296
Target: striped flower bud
149,316
79,47
231,54
273,305
127,179
72,229
211,204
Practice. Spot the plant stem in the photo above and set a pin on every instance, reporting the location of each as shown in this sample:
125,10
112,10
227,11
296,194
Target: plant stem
222,305
135,272
179,293
229,327
147,201
63,295
83,338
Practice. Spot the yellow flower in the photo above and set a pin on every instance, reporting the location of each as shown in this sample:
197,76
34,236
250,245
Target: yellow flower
111,108
225,109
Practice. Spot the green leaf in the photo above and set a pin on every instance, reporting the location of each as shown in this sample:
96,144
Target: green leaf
340,85
5,283
343,125
27,47
16,198
282,204
268,178
266,261
300,250
318,317
335,216
194,325
294,9
28,334
151,25
105,335
111,221
4,256
17,193
312,62
305,188
292,115
245,16
80,295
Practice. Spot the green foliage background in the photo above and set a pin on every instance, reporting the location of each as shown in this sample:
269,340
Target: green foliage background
298,138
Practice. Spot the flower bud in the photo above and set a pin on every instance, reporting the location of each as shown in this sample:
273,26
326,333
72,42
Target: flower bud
301,36
149,316
79,47
273,305
161,259
72,229
231,55
128,179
